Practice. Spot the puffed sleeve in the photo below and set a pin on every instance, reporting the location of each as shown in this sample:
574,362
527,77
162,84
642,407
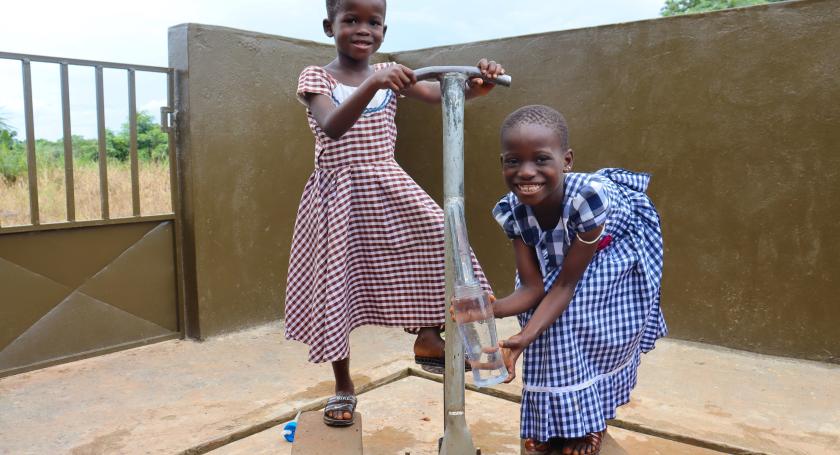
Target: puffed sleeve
503,213
590,207
313,79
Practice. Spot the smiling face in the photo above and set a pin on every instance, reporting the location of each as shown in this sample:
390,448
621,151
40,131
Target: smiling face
533,164
358,28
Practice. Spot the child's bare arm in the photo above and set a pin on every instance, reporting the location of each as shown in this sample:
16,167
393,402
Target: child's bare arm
530,291
428,92
337,120
578,257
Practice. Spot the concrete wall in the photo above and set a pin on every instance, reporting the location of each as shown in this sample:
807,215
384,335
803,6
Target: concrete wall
246,153
736,114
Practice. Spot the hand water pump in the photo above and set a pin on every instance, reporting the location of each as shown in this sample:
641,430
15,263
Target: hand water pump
461,283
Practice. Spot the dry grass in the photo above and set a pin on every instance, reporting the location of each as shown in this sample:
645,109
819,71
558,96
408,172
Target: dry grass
154,193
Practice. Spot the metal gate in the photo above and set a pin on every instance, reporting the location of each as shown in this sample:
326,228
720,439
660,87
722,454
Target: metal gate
75,289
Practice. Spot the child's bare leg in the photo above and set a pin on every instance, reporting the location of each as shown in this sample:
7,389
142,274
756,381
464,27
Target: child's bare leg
429,343
343,385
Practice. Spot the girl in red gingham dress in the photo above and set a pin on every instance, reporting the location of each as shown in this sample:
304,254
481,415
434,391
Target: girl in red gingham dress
368,241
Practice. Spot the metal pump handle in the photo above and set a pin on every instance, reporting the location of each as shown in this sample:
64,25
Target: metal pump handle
436,72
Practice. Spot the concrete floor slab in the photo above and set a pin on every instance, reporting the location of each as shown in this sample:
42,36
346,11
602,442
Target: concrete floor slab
176,395
730,398
756,402
183,395
406,417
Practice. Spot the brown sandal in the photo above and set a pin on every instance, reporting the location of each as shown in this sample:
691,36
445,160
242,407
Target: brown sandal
533,447
587,445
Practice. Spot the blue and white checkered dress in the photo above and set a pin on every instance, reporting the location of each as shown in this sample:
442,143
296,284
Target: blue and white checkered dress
584,366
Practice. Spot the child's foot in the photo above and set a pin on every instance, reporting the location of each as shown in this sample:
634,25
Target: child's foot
340,409
430,351
429,343
587,445
534,447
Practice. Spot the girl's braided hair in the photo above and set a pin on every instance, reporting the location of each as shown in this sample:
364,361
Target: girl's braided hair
537,114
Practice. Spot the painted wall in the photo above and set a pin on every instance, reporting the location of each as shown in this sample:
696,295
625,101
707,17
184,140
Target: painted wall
737,116
246,153
735,113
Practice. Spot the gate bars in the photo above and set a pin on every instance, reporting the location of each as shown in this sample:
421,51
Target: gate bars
98,66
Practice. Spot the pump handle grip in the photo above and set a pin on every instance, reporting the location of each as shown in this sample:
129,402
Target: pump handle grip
436,72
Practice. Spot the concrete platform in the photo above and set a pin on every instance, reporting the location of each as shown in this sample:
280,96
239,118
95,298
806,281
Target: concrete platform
312,437
405,417
191,397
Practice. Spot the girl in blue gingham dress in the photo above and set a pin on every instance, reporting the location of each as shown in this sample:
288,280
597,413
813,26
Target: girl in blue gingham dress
589,266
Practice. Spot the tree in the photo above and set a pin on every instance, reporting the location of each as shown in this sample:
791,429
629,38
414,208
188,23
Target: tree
8,138
85,149
152,143
12,156
677,7
3,125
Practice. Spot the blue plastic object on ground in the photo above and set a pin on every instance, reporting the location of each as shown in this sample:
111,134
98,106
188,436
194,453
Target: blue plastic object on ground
289,429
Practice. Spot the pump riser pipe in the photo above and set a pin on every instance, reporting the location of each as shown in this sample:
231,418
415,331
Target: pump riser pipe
456,439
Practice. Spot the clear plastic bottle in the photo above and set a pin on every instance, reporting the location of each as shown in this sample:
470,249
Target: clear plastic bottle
477,327
473,309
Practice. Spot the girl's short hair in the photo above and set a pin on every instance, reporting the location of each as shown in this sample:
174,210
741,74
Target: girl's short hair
332,8
537,114
334,5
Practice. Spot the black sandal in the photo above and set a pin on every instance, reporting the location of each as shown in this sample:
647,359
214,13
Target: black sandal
435,365
340,402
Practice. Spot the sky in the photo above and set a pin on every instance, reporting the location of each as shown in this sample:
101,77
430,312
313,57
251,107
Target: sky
136,32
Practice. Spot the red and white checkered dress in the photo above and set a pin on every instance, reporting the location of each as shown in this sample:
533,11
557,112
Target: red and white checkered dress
368,245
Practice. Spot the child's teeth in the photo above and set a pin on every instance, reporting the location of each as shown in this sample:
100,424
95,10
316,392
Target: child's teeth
529,188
